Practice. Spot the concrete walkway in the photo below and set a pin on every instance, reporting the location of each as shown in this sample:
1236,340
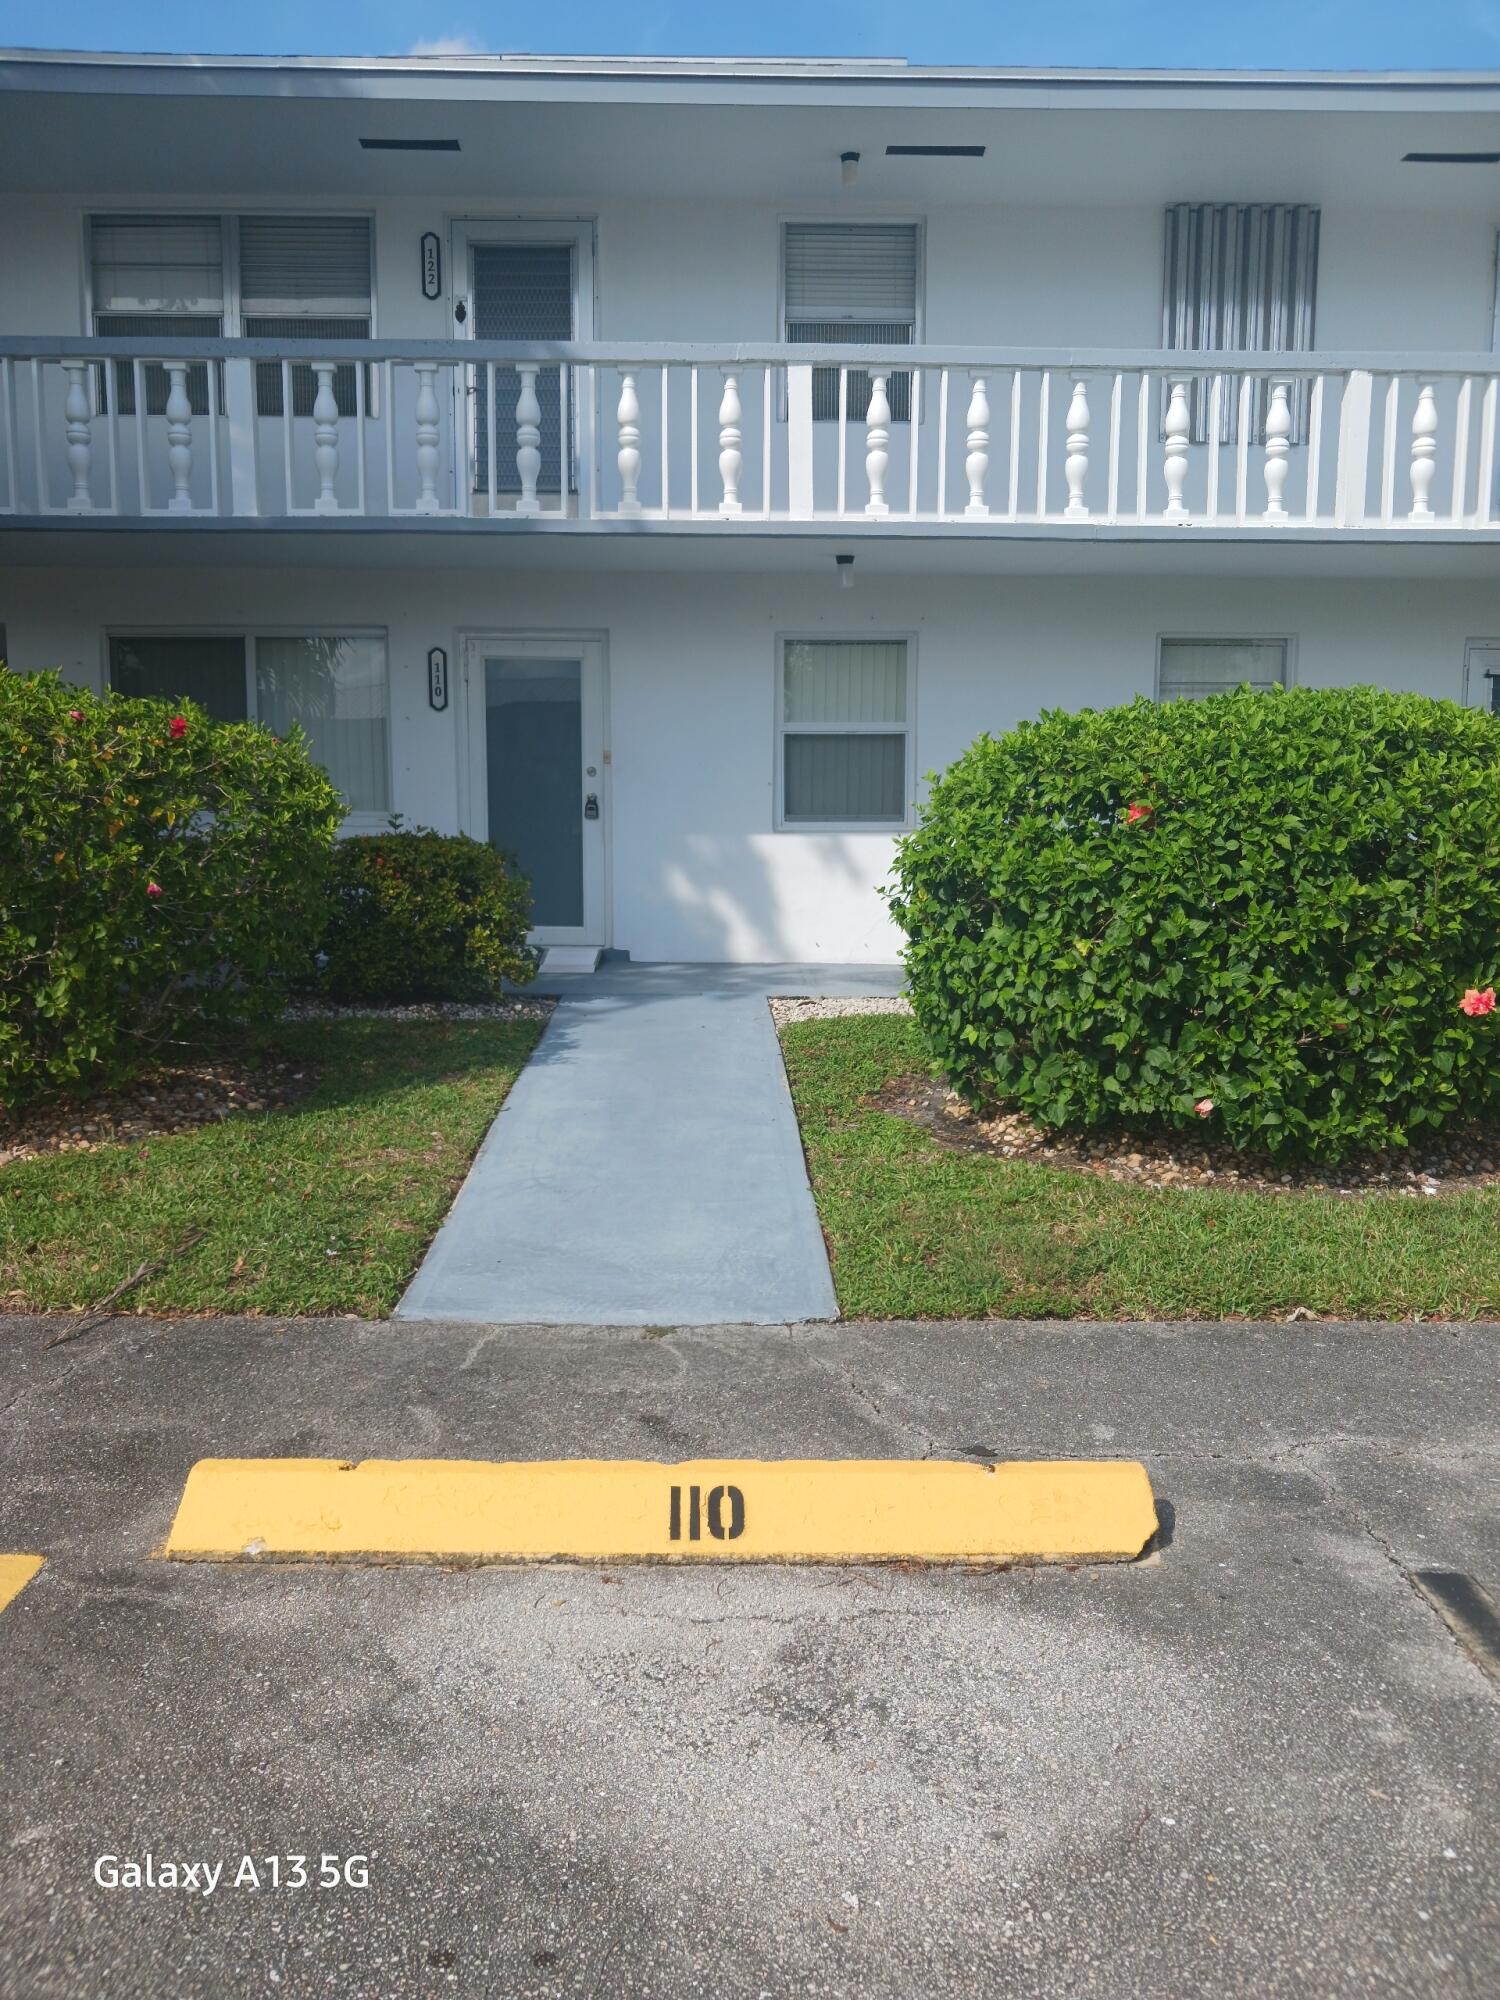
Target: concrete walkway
646,1169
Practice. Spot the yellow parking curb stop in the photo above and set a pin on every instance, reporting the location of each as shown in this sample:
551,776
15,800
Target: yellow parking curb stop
15,1573
620,1510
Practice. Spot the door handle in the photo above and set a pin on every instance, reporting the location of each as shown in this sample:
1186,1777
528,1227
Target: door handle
591,806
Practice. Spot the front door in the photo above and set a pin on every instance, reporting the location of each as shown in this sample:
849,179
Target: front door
520,281
537,773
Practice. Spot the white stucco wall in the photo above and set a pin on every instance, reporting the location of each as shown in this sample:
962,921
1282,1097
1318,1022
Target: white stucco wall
698,869
997,275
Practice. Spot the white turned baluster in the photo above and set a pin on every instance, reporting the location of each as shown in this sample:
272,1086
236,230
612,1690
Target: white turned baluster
1179,431
80,441
1424,425
977,463
326,439
179,437
528,441
1076,465
628,417
1278,445
730,457
427,437
877,446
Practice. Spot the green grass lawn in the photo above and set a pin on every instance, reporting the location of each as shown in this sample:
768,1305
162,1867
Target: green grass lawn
917,1230
325,1207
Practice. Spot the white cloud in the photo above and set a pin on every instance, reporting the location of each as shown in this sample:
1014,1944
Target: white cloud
446,45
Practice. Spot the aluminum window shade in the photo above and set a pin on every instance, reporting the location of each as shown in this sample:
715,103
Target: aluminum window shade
1192,668
522,291
302,276
1241,276
312,265
852,284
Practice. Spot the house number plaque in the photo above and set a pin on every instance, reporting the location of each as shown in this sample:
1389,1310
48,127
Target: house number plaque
437,678
432,266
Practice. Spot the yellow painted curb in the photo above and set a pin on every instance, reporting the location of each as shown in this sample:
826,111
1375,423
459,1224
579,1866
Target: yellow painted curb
715,1510
15,1573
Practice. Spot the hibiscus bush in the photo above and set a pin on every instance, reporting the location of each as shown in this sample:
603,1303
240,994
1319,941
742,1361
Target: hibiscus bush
1274,917
419,915
157,869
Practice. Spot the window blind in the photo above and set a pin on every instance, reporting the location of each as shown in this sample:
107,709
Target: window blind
157,264
851,284
1192,668
1241,276
843,746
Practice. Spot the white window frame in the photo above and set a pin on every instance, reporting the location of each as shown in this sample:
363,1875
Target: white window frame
1477,687
1286,640
360,820
919,322
908,728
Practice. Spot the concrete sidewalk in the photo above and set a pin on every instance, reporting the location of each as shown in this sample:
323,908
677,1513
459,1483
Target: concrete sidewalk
1254,1767
646,1169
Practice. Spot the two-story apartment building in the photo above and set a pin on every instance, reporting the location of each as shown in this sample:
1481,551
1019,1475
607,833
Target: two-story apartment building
657,467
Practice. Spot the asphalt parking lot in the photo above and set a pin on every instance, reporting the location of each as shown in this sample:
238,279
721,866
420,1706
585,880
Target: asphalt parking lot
1257,1762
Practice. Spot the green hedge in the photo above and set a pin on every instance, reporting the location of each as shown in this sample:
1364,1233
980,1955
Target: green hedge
1257,915
157,868
419,915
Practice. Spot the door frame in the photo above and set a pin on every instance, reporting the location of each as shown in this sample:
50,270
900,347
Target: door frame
591,648
464,232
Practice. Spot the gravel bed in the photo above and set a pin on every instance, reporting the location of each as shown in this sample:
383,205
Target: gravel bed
790,1008
169,1100
530,1007
1464,1157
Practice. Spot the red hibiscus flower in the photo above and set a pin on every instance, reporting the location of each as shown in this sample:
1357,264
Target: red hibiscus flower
177,728
1479,1000
153,890
1137,811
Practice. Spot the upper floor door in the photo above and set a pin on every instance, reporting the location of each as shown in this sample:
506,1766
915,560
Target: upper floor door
521,281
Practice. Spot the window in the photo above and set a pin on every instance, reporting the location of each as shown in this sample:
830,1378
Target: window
157,275
294,276
1482,674
303,277
851,284
1241,276
844,732
1191,668
332,684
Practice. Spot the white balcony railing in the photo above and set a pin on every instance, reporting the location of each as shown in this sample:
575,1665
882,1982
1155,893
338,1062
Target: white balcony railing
531,435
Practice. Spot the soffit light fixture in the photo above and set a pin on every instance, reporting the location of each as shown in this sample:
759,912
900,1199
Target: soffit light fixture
410,145
849,168
845,572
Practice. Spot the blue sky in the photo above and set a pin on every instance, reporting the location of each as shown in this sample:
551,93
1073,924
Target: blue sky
1274,34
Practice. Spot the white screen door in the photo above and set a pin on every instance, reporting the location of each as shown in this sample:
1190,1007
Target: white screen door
529,282
537,773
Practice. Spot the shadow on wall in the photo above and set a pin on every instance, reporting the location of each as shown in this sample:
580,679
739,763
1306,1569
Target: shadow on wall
779,898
